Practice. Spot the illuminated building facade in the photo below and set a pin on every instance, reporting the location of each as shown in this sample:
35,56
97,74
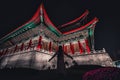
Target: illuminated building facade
32,44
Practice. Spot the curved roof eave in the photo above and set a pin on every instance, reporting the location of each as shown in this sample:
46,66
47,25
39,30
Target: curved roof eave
75,20
82,27
33,19
47,19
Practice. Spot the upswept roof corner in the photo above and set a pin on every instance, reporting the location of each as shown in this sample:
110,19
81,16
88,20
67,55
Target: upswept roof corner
37,18
95,20
41,16
50,24
75,20
34,18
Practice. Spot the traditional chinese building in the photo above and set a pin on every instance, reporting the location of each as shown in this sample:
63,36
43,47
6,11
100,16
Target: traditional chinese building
32,44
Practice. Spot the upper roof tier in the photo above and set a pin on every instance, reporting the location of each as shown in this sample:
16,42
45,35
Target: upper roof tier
41,17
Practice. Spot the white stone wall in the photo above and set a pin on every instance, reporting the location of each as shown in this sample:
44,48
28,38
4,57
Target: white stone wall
38,60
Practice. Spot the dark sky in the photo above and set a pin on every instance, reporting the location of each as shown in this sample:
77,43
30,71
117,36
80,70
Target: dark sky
14,13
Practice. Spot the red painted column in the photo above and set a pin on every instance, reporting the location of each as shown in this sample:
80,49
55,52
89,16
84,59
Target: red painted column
80,47
72,48
39,46
64,48
22,47
30,43
87,46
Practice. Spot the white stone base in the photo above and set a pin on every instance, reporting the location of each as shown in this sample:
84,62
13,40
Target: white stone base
39,60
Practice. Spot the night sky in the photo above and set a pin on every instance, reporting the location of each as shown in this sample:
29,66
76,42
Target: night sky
14,13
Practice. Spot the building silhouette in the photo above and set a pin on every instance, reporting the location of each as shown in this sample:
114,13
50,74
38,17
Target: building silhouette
32,44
